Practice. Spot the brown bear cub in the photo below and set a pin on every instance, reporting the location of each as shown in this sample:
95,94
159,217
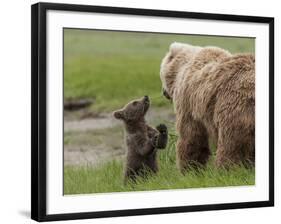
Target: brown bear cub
141,139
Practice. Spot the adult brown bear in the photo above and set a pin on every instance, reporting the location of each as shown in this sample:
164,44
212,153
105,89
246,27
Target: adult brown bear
213,92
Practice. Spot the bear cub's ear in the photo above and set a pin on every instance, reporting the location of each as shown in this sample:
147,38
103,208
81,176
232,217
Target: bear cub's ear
118,114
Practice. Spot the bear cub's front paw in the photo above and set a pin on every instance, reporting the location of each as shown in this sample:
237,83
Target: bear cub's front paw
162,128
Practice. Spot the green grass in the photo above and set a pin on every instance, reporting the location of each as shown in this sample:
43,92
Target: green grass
109,176
115,67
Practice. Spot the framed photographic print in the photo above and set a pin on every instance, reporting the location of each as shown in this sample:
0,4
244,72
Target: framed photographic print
139,111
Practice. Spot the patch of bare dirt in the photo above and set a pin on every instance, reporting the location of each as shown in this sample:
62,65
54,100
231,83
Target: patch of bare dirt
96,139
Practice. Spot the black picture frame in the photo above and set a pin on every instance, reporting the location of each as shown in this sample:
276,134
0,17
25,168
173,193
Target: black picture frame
39,122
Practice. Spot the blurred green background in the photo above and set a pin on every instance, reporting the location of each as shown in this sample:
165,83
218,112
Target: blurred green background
115,67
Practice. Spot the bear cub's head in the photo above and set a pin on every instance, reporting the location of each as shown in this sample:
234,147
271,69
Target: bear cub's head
134,111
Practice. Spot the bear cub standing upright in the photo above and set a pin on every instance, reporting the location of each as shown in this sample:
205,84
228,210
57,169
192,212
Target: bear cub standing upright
141,139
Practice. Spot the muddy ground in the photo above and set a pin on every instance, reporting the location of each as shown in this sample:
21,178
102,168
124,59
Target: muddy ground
91,139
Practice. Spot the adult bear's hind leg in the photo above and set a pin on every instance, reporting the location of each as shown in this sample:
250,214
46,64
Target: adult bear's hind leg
236,146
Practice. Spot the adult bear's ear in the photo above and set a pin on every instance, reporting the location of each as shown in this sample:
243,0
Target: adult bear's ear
119,114
175,48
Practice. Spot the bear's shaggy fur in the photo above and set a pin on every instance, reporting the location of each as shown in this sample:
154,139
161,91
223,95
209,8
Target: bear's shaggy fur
213,92
142,140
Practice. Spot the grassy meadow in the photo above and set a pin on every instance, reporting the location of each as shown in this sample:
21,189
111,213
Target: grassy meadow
109,177
113,68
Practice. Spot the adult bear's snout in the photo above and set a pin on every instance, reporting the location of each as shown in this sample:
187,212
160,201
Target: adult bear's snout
165,93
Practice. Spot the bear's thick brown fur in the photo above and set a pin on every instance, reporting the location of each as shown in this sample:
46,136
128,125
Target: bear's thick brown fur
141,139
213,92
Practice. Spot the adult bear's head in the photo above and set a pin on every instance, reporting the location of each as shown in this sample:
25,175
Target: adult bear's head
178,55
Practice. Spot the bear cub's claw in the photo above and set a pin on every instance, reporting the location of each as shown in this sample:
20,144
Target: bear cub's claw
162,137
162,128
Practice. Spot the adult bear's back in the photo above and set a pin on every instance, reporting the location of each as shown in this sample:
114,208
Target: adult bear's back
235,98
